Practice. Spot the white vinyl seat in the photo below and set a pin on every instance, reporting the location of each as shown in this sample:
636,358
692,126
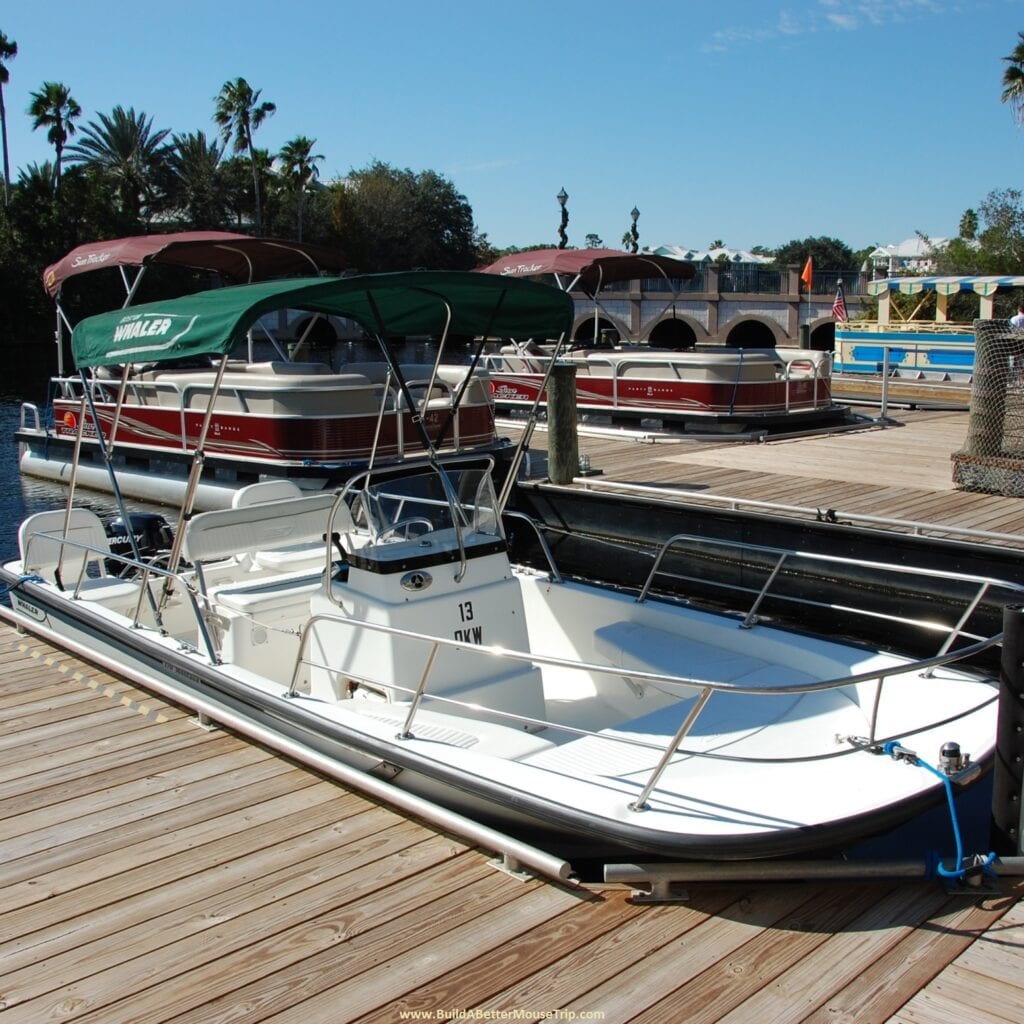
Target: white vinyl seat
265,490
44,552
294,557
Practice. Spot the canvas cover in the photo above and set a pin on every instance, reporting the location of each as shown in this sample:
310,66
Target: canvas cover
421,302
592,267
237,258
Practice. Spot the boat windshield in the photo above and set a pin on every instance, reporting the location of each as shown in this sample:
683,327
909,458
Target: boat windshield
432,500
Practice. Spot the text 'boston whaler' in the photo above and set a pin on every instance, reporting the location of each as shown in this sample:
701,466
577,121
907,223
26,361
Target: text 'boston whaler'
385,627
280,411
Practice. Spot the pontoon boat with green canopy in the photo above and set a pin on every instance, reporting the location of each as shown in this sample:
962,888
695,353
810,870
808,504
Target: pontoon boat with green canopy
151,382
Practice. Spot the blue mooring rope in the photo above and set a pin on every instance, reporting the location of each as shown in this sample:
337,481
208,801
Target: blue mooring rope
895,749
27,578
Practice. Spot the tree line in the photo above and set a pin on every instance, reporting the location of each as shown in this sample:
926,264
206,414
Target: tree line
119,174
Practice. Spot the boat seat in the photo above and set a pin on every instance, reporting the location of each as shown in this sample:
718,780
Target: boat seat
270,594
258,623
45,553
282,536
296,556
265,490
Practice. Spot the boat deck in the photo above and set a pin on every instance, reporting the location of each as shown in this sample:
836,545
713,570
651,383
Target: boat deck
899,471
155,871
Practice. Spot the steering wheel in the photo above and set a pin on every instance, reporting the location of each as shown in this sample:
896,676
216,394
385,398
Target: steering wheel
406,524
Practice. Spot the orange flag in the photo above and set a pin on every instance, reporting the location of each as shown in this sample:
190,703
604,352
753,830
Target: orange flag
808,273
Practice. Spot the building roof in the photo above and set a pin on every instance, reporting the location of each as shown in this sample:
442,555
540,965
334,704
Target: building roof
681,252
916,248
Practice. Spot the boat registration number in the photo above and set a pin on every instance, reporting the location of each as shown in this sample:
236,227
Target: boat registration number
469,632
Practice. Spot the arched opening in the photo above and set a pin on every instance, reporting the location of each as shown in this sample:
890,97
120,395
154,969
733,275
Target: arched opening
607,334
673,334
751,334
823,337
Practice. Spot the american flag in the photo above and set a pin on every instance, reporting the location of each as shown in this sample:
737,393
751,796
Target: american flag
839,306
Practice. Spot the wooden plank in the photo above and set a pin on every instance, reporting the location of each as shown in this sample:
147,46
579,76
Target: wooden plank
446,949
999,953
290,874
892,979
77,888
87,758
111,772
960,994
118,722
985,982
735,977
796,993
43,827
628,969
561,937
101,717
282,955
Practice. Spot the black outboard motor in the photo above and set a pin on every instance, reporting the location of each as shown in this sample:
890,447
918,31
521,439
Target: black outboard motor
152,535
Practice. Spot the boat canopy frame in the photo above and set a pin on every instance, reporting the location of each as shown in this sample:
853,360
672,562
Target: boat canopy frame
235,258
211,323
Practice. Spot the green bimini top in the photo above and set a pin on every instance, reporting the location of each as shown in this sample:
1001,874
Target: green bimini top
417,302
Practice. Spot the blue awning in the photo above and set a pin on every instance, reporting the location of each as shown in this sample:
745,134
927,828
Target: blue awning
946,285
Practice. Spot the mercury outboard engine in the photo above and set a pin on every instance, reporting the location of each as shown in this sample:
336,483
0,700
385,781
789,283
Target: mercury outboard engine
152,535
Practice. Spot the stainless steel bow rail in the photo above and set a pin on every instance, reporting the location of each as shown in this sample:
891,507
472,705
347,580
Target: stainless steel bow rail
784,555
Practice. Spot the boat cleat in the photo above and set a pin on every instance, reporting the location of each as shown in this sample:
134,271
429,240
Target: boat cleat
957,766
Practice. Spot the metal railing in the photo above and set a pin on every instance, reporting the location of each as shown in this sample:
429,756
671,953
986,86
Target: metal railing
784,555
704,691
144,570
624,375
392,404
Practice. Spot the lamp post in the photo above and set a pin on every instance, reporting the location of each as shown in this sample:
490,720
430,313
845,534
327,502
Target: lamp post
634,234
563,238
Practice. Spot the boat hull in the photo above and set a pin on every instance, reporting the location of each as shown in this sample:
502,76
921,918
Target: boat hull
160,477
187,678
703,391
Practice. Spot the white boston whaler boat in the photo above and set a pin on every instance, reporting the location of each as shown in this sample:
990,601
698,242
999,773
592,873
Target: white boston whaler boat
386,627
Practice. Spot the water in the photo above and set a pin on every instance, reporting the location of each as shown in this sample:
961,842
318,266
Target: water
21,496
930,833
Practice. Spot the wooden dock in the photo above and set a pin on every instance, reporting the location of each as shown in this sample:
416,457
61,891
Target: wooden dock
154,871
900,469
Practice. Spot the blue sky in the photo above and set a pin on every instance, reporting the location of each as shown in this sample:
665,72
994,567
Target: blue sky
751,121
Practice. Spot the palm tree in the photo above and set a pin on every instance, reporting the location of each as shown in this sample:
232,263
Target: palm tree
8,51
55,109
1013,80
196,186
239,113
299,170
124,147
36,182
